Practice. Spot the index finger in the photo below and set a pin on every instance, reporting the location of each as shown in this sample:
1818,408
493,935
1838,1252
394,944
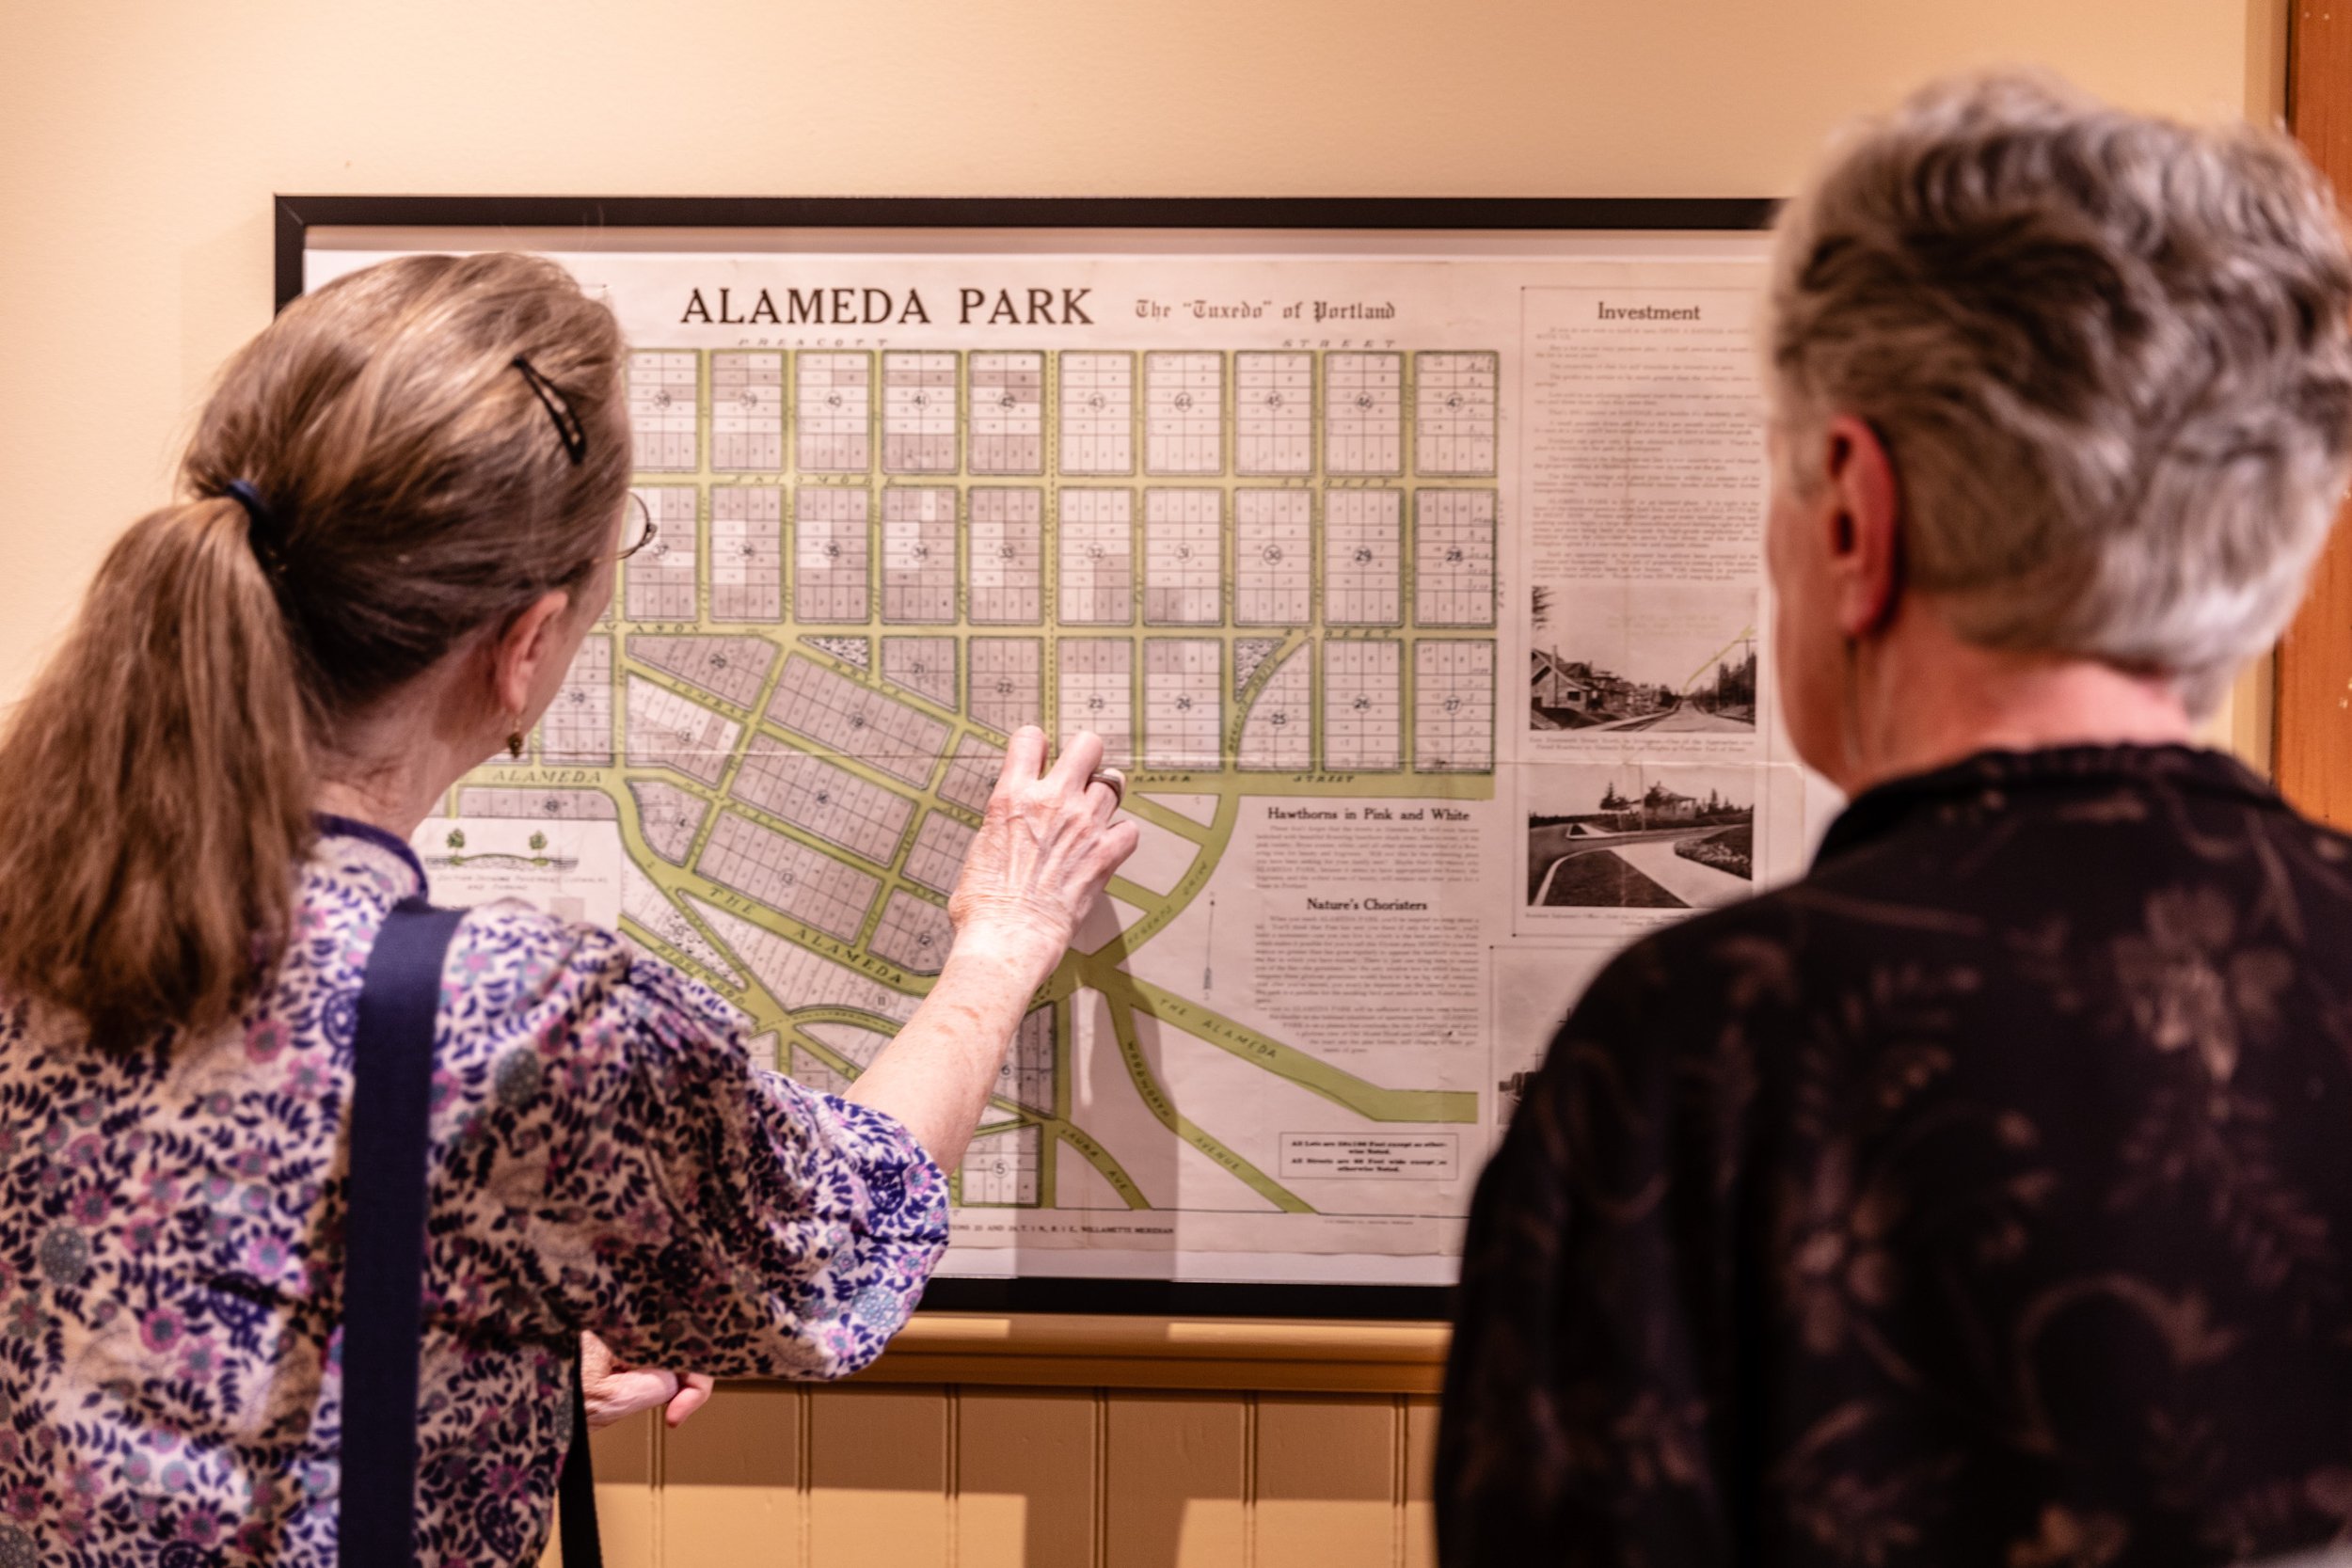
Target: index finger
1025,757
1079,759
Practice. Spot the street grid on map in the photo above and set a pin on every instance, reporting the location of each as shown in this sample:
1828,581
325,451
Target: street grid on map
818,662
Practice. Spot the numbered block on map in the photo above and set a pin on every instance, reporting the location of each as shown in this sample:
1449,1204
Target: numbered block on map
1363,414
1273,414
658,582
913,933
1363,557
829,555
662,411
924,665
747,412
747,553
919,555
787,876
668,729
1183,713
819,798
1278,735
862,724
1006,567
1453,414
1184,559
918,412
1273,558
578,728
1363,707
834,402
1007,686
1183,413
1454,558
1007,413
1094,690
1098,558
1098,412
1453,707
1000,1170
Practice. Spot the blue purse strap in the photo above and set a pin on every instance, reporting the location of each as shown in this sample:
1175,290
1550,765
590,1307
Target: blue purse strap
384,1231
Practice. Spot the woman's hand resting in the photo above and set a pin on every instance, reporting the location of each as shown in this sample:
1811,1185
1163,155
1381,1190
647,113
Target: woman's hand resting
613,1390
1046,846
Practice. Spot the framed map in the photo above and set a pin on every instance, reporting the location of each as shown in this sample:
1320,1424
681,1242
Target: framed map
1405,553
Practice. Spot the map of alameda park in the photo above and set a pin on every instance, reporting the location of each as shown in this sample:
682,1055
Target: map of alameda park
1262,576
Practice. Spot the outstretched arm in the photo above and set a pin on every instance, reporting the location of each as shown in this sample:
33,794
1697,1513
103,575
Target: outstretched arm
1045,849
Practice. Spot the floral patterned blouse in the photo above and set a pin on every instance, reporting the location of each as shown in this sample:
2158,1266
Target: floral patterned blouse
1984,1198
603,1157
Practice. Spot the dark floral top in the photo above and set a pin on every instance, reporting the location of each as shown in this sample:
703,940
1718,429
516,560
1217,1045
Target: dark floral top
603,1156
1984,1199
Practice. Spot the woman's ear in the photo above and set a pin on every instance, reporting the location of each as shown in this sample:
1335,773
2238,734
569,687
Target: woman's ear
1862,511
521,656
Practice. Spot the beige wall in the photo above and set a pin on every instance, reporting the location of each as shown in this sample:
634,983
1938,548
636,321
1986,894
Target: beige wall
140,143
139,146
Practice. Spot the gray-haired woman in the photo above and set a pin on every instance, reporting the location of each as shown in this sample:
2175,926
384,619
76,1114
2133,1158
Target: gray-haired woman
406,498
1986,1196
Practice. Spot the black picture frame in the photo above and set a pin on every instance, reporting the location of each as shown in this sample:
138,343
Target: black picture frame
296,217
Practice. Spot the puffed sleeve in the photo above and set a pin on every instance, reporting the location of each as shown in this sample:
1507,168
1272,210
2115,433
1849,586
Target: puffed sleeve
609,1159
1579,1423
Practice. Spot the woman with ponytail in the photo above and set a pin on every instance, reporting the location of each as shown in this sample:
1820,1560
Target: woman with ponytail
404,506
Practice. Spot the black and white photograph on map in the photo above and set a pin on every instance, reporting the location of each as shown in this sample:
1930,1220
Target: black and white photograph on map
1652,658
1535,988
1639,837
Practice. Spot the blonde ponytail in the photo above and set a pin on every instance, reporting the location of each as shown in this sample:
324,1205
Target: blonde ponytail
162,785
409,492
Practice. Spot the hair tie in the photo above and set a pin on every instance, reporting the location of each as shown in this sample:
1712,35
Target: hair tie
260,527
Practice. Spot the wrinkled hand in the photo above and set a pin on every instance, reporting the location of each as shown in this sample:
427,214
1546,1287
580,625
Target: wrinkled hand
1046,845
615,1390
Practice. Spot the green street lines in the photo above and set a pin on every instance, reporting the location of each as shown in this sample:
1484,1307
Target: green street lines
1336,1084
1156,1101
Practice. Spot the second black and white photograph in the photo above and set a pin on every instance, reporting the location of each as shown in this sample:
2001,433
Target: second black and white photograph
1660,658
1637,837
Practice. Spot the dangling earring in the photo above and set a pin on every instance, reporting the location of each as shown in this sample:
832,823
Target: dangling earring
514,739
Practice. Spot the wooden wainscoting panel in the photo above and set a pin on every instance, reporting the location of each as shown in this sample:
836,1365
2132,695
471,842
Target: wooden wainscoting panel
1024,1483
878,1477
1418,1513
1329,1480
731,1481
1175,1480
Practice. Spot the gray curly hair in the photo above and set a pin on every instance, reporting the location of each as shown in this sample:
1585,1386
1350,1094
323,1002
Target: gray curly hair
2107,354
